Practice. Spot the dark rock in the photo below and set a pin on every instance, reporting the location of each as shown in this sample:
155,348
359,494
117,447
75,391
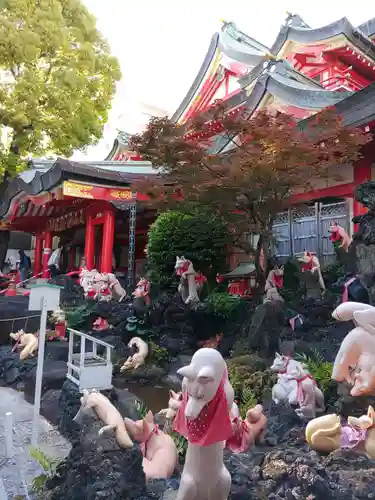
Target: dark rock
54,376
284,425
69,404
317,312
12,370
146,374
365,194
348,405
125,401
97,468
115,312
299,473
172,379
364,238
311,285
71,294
15,315
57,350
265,327
177,327
366,267
357,292
326,341
49,406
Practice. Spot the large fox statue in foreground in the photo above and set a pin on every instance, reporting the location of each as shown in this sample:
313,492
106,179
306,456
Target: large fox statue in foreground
355,361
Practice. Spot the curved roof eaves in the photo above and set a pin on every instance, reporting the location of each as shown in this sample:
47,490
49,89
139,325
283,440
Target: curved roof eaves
63,170
302,96
198,79
311,35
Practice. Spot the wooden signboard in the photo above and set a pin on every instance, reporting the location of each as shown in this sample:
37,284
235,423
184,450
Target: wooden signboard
93,192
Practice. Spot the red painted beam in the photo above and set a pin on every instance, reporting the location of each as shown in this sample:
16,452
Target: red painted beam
362,173
340,191
193,109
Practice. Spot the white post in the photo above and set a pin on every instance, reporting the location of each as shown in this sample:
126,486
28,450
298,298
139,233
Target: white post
3,492
8,424
39,373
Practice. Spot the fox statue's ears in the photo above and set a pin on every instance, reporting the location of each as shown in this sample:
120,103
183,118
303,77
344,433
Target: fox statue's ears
149,417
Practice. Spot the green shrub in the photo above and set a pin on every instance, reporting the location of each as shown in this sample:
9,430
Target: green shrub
180,442
224,305
141,407
319,369
49,466
332,273
200,237
251,381
159,354
291,280
78,316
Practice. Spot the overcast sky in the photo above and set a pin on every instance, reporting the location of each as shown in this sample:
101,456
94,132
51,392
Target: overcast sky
161,44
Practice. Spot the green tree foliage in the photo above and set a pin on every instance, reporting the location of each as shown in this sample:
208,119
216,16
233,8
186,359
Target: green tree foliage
62,79
200,237
225,305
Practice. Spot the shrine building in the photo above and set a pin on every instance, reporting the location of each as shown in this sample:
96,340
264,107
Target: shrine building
304,71
91,210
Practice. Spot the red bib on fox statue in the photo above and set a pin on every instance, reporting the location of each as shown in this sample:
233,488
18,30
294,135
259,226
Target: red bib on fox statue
212,424
204,418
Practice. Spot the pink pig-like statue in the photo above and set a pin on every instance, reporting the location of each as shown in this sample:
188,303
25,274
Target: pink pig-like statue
203,417
160,456
247,431
355,361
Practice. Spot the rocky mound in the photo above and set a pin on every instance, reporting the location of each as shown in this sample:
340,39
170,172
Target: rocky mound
283,467
98,468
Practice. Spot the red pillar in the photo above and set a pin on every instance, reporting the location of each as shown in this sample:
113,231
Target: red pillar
89,243
38,254
46,253
362,173
107,244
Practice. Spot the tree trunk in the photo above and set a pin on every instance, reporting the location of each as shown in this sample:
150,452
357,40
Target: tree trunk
262,270
4,235
4,243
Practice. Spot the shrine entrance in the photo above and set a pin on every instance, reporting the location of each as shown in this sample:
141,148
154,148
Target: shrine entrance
72,198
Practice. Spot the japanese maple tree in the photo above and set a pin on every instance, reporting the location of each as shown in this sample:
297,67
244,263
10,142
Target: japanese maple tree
263,162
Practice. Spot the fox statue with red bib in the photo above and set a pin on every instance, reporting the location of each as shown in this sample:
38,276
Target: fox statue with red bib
203,418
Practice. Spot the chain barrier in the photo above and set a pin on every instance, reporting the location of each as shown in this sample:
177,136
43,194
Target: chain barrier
18,285
131,252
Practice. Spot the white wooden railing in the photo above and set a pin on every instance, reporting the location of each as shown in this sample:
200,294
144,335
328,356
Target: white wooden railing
87,369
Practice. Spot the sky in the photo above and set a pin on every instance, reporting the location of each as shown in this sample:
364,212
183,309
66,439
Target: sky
161,44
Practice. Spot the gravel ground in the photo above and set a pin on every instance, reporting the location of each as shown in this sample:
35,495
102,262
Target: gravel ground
17,473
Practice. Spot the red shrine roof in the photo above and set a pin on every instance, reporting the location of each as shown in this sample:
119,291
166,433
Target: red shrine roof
65,185
308,65
296,30
305,70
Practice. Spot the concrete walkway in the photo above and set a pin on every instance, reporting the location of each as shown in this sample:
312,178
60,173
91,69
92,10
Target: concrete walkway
17,473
